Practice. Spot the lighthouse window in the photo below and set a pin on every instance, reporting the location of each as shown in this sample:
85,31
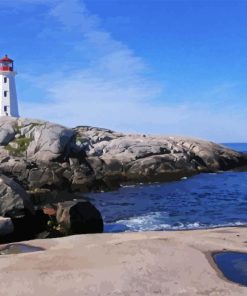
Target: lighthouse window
5,79
5,93
5,109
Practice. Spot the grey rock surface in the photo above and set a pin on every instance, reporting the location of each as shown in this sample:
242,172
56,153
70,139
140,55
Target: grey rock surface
49,142
34,139
14,201
7,132
41,154
153,158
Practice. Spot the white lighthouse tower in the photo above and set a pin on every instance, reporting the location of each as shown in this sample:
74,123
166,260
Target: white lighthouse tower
8,98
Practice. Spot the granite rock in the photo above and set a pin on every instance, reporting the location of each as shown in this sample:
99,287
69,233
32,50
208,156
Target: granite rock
14,201
41,154
7,132
77,217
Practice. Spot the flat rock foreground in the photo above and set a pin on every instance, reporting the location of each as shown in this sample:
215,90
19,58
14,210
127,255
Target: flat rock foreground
152,263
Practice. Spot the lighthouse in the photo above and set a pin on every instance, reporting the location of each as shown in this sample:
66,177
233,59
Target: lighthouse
8,98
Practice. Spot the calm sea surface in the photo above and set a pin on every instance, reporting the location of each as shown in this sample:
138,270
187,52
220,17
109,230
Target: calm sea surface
202,201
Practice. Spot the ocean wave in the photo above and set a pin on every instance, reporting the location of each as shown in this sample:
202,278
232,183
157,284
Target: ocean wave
156,221
129,186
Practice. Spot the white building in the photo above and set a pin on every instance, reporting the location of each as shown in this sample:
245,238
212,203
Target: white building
8,98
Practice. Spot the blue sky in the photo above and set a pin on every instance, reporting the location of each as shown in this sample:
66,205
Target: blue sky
175,67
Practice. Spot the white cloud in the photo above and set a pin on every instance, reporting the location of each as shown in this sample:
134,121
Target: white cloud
73,15
114,90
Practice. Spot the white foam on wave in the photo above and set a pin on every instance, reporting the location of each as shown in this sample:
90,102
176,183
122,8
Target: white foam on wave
159,221
150,184
151,221
128,186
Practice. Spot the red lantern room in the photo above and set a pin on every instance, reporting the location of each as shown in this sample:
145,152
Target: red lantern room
6,64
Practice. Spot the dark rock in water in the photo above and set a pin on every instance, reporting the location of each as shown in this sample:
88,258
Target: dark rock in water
14,201
77,217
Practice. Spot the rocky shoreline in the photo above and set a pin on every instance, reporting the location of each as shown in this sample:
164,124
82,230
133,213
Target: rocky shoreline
42,166
44,155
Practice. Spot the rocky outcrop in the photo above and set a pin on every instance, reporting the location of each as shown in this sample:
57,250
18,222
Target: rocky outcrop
77,217
43,155
14,201
19,220
132,158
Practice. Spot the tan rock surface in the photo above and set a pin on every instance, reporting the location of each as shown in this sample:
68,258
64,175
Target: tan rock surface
152,263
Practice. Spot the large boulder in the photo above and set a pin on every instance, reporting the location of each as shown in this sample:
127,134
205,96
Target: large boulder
14,201
34,139
49,142
77,217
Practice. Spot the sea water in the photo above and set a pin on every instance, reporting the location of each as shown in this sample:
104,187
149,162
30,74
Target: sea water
203,201
233,266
